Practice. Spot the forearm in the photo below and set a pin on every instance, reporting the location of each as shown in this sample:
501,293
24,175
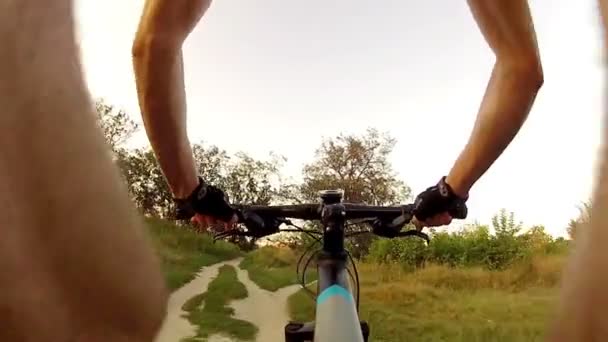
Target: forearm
505,107
160,84
72,247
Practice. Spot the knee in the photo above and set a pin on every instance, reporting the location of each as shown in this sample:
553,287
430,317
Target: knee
151,324
145,315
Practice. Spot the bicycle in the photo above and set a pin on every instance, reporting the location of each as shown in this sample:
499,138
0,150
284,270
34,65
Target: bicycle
337,312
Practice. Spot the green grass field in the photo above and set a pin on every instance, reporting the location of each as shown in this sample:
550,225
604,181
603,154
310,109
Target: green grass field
428,314
209,311
436,303
273,268
183,252
439,303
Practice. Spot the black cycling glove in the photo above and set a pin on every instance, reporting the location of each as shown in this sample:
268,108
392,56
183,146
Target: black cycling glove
205,200
438,199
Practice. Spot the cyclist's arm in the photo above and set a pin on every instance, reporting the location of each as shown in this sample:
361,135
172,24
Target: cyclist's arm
514,83
75,263
159,74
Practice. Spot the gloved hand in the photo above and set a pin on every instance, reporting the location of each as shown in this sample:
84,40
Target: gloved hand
206,206
438,205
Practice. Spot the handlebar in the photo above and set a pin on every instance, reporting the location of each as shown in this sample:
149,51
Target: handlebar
386,221
312,212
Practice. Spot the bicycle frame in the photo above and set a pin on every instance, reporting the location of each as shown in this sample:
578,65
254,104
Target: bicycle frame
337,319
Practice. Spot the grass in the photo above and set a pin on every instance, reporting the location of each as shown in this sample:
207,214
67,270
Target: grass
439,303
210,312
183,252
272,268
426,314
444,315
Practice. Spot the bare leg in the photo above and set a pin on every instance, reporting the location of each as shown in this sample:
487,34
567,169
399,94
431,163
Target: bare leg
581,315
75,262
158,65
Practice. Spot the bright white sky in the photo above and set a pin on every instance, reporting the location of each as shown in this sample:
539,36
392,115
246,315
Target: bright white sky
271,75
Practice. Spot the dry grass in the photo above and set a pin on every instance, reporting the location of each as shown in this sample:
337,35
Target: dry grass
540,271
272,268
440,303
183,252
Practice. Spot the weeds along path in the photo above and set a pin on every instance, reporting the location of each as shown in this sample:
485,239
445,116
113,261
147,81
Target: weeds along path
264,309
176,327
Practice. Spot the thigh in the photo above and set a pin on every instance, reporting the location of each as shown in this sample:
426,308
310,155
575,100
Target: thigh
69,235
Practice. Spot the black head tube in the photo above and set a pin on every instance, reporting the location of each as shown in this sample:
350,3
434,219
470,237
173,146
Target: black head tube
333,217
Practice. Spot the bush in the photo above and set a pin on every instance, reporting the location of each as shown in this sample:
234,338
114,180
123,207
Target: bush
472,245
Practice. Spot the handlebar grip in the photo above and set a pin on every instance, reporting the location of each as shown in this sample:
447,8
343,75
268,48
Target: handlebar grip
259,225
251,220
392,228
406,217
401,221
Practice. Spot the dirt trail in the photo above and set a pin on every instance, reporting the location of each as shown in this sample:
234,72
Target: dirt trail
266,310
175,327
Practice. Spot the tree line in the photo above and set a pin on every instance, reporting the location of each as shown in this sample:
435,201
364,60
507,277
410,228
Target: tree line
358,164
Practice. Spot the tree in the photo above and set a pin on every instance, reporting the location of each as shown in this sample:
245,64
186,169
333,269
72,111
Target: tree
244,179
583,218
359,166
116,124
211,163
252,181
139,167
537,239
506,247
504,224
145,181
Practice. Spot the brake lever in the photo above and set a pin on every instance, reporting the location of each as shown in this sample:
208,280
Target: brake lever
257,226
392,228
228,233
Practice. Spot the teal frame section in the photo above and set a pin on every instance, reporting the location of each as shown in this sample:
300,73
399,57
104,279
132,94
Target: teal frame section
334,290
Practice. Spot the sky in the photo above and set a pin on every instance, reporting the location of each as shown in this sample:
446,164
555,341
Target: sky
275,76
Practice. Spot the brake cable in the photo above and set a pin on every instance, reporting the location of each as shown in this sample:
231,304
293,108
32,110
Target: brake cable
303,280
308,249
311,233
356,280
